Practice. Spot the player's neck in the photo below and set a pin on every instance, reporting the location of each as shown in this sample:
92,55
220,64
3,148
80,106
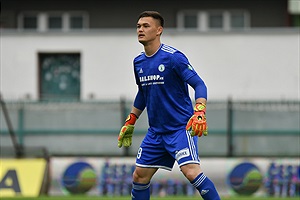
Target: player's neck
151,48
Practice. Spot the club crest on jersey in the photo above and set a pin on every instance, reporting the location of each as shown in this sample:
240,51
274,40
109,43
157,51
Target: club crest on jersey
141,71
161,68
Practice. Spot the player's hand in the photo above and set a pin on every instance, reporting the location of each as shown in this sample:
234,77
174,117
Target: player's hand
197,124
126,132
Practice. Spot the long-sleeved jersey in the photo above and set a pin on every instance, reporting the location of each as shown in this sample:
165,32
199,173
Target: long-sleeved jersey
162,81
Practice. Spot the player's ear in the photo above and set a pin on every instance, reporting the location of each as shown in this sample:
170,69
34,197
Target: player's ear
160,30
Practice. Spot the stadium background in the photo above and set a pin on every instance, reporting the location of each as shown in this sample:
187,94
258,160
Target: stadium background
253,110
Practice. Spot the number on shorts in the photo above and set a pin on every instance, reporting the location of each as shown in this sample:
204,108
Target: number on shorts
139,154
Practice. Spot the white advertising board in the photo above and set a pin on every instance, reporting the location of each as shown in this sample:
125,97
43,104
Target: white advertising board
112,176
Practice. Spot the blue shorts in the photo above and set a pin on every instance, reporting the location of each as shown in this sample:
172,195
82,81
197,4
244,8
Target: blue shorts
161,150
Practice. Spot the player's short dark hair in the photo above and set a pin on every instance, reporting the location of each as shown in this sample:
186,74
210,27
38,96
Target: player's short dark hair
154,14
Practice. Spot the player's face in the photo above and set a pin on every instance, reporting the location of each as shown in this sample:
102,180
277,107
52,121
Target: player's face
148,29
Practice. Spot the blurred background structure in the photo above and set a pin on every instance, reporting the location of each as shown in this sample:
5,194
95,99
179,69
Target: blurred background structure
67,79
67,84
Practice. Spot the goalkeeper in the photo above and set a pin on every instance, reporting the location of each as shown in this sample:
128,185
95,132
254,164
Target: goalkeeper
163,74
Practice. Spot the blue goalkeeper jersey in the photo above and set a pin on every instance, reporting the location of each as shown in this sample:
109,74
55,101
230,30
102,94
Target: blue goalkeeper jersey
161,79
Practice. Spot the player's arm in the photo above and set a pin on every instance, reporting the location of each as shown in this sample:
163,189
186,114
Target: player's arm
126,132
197,123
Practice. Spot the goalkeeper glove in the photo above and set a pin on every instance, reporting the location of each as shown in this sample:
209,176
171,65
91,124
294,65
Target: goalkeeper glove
197,123
125,136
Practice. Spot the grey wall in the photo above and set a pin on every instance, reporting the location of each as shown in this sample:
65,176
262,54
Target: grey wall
252,65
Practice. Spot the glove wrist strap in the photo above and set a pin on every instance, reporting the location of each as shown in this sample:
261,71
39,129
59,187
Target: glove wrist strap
131,119
200,107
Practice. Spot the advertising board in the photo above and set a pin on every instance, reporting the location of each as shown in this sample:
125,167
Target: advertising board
232,176
22,177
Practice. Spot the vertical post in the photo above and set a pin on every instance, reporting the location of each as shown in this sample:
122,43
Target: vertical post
21,124
18,148
229,128
123,118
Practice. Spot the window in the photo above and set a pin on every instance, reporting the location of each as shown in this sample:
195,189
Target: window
190,21
30,22
294,11
76,22
55,22
295,19
49,21
237,20
59,76
213,19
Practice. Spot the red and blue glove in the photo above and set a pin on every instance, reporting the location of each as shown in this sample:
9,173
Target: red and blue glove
197,124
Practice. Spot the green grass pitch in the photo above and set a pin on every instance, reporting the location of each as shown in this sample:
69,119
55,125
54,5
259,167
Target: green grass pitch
153,198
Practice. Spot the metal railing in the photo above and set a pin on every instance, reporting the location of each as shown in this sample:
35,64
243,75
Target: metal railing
236,128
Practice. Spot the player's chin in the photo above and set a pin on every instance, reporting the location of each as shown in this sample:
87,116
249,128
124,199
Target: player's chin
142,41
